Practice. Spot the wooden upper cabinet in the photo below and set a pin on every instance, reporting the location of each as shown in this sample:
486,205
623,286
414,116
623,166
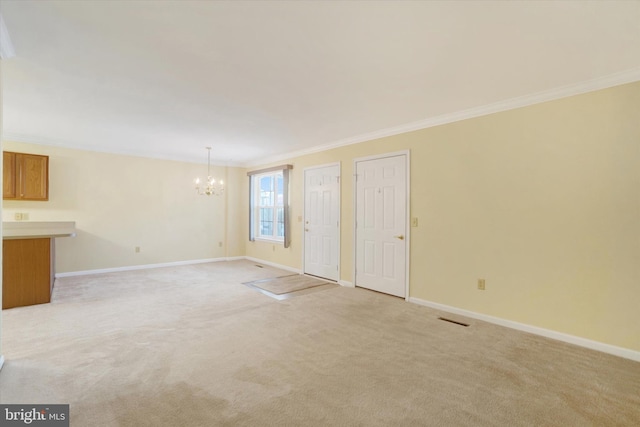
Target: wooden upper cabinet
9,175
26,176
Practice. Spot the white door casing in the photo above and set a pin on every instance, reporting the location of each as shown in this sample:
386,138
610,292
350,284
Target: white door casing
322,221
381,220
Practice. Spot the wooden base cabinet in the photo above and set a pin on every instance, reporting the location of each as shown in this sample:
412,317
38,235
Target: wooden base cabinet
27,271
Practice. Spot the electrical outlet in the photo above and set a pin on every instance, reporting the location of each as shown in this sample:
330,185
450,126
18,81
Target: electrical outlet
481,284
137,249
25,216
220,244
414,222
18,216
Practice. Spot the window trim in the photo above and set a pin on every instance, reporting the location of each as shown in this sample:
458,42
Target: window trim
274,207
286,241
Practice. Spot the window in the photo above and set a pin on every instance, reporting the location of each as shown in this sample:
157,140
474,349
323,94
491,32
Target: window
269,204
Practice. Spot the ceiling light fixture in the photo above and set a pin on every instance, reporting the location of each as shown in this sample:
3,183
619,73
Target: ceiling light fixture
211,187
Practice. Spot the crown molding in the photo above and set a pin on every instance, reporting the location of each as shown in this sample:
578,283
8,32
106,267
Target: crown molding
616,79
6,47
623,77
30,139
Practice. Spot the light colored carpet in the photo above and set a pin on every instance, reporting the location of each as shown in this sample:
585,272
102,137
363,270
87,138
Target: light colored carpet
286,284
192,346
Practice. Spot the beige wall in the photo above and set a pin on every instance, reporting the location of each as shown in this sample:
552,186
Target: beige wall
237,233
543,202
120,202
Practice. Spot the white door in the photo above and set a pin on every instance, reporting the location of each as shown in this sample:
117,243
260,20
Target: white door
322,221
381,206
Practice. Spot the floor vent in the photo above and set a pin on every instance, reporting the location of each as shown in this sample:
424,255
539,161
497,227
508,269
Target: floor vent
453,321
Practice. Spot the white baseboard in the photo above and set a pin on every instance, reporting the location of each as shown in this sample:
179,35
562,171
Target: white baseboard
1,361
571,339
272,264
189,262
144,267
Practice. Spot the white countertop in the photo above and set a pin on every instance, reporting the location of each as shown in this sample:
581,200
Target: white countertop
38,229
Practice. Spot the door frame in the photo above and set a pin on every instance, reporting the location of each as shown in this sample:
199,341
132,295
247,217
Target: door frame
407,224
304,213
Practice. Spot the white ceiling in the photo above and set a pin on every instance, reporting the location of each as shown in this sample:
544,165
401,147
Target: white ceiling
265,79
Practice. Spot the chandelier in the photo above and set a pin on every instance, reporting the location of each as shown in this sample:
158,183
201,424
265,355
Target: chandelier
210,187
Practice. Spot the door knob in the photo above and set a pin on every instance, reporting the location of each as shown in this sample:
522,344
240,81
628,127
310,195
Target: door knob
401,237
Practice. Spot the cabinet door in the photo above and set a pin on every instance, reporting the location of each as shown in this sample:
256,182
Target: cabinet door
9,175
33,176
26,272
